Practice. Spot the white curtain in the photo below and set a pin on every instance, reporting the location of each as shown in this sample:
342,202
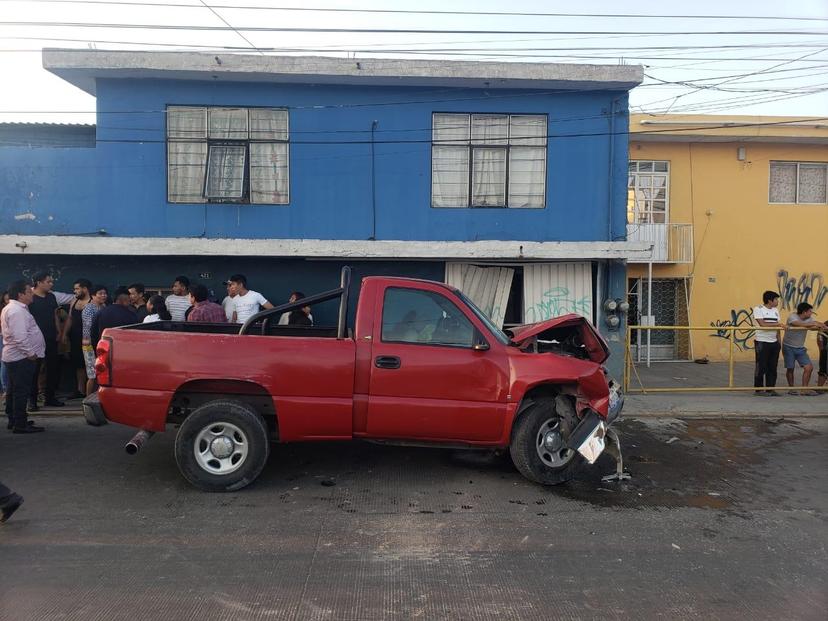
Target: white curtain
269,173
489,177
185,168
186,154
449,176
228,123
490,129
186,122
527,176
527,130
225,172
268,124
450,129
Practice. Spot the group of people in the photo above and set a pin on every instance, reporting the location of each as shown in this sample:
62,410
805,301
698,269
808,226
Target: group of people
769,343
38,325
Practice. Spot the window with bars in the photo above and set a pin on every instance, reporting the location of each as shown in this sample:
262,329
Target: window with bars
798,183
488,160
648,190
227,155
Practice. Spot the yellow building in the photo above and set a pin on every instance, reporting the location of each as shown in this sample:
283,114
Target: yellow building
734,206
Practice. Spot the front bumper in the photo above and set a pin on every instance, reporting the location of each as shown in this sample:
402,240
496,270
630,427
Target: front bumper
589,436
93,411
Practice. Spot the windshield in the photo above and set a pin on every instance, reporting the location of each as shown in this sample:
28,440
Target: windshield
497,332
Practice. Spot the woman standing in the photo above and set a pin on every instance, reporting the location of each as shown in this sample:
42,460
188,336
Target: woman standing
73,329
88,314
157,310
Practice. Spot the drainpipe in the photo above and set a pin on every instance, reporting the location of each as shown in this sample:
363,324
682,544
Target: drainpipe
373,184
611,168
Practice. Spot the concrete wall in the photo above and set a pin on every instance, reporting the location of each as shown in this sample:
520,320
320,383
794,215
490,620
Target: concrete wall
124,182
46,189
743,244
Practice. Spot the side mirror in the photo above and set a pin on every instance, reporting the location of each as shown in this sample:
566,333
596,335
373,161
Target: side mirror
480,343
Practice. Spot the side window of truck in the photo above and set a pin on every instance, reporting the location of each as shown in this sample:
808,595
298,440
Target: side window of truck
425,318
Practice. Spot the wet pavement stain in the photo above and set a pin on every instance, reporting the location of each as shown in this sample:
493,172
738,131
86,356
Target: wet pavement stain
673,463
711,466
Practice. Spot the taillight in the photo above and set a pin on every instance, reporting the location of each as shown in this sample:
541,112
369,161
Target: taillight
103,363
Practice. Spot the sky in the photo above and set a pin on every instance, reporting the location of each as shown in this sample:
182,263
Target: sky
731,63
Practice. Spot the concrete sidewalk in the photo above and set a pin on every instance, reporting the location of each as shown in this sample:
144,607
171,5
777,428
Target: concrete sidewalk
715,404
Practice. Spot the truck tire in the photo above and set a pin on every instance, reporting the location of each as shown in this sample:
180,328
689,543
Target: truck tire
539,439
222,446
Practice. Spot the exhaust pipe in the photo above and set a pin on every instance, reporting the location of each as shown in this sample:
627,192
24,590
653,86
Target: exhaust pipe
138,440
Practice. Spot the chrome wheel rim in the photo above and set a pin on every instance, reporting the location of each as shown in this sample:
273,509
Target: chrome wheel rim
221,448
551,445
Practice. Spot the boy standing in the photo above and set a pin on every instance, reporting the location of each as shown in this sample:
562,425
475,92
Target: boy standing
767,344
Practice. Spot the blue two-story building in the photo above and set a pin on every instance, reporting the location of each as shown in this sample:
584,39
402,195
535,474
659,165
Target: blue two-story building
505,179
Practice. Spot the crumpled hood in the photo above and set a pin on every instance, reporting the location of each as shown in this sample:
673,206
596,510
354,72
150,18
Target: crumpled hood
594,343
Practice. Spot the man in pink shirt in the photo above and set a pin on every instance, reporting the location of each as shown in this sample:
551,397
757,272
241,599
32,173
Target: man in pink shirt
23,344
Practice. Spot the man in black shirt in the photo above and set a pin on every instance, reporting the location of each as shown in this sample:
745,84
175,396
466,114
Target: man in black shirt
44,309
136,299
118,314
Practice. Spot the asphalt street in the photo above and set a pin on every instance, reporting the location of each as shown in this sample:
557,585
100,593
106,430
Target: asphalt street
722,519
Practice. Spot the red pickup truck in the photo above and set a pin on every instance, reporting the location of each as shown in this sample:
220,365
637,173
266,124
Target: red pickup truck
421,365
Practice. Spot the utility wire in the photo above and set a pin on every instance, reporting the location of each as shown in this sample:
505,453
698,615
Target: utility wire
224,21
196,27
432,12
625,132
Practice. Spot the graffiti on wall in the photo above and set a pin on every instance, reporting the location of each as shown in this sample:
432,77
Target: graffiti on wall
808,287
555,302
738,317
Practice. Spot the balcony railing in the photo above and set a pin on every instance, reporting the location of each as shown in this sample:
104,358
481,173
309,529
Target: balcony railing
672,243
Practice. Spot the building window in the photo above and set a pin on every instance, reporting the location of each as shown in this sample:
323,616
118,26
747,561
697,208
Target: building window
227,155
648,189
488,160
798,183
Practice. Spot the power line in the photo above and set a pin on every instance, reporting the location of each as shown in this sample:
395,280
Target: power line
195,27
225,22
625,132
488,51
431,12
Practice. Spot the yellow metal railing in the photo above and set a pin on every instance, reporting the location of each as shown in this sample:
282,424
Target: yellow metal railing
629,365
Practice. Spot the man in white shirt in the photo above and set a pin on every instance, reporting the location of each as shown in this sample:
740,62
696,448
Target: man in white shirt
246,303
179,301
767,344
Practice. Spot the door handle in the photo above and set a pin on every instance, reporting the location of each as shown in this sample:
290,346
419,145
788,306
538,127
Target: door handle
387,362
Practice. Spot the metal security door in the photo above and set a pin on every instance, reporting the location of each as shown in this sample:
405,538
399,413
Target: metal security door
554,289
669,309
488,287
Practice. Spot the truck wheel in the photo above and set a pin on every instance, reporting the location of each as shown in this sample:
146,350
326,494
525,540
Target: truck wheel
222,446
539,440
